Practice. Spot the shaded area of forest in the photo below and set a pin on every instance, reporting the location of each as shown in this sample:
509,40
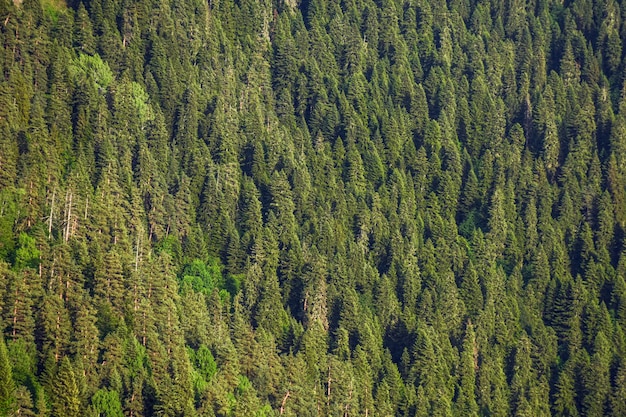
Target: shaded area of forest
255,208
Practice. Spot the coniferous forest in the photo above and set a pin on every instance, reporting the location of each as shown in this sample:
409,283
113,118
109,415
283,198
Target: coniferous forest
312,208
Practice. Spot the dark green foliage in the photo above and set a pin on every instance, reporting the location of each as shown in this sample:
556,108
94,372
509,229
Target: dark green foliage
7,384
64,391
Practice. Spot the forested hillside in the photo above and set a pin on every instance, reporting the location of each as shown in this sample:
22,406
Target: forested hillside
312,208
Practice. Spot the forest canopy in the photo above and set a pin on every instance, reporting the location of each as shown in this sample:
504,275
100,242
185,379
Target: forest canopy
312,208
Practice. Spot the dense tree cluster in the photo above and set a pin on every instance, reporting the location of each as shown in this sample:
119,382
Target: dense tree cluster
314,208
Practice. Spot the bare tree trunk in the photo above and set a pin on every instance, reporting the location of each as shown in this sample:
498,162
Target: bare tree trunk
15,312
328,391
282,405
69,217
30,200
347,408
137,253
50,217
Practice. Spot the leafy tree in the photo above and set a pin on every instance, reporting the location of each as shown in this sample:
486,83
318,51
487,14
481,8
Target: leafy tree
107,403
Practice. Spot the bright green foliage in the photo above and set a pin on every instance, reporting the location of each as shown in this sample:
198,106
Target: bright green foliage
205,363
91,72
107,403
205,368
202,277
9,199
26,254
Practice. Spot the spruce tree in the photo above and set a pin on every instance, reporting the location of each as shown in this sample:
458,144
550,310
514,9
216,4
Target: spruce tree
7,384
64,391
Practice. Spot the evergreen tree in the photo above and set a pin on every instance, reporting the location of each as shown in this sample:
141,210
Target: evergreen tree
465,400
64,391
7,385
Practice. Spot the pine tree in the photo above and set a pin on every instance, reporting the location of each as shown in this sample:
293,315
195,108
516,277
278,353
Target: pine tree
596,379
564,401
465,401
64,391
617,405
471,292
7,385
25,406
83,31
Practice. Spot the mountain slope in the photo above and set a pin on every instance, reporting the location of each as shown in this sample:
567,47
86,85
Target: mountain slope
248,208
